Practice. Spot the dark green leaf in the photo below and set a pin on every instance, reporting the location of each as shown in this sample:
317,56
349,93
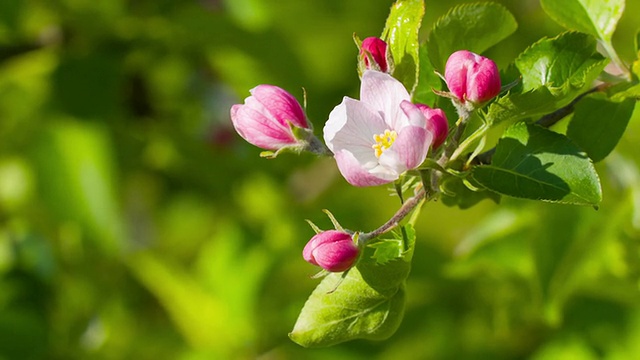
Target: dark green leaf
427,80
368,303
536,163
473,27
598,124
456,193
598,18
565,64
401,33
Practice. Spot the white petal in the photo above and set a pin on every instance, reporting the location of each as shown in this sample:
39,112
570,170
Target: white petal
384,94
358,175
351,126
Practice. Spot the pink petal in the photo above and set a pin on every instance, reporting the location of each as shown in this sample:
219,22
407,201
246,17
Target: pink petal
258,129
282,105
413,141
356,174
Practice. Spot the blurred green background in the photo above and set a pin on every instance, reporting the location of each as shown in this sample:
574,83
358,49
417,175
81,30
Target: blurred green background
135,224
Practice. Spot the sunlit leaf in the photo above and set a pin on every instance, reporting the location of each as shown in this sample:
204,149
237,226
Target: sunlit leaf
401,33
535,163
473,27
387,250
518,106
563,64
595,17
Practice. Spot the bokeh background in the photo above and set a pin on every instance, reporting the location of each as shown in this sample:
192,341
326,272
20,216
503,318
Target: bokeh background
135,224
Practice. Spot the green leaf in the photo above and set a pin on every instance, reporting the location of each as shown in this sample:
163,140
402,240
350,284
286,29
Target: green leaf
427,80
536,163
387,250
401,33
554,72
595,17
456,193
565,64
629,92
474,27
598,124
518,106
366,303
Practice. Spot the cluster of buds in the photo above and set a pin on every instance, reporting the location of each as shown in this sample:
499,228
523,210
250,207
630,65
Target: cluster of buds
375,139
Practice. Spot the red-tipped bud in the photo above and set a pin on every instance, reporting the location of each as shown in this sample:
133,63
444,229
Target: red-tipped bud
471,77
267,117
437,124
375,49
332,250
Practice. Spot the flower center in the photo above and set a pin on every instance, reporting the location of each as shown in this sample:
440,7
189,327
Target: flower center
383,141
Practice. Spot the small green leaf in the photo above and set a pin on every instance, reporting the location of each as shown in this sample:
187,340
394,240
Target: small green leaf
629,92
474,27
366,303
428,80
387,250
598,18
401,33
536,163
598,124
565,64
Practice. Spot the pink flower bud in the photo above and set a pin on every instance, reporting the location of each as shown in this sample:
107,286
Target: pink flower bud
267,116
471,77
437,124
376,49
332,250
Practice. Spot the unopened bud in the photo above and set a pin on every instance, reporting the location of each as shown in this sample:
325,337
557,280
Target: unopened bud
374,50
437,124
332,250
268,118
471,77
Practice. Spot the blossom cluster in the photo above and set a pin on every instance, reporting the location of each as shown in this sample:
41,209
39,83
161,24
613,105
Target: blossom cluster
374,139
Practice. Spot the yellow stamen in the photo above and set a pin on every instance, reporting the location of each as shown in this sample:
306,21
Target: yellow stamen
383,141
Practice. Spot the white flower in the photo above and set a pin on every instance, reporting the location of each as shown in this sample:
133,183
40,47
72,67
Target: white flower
377,138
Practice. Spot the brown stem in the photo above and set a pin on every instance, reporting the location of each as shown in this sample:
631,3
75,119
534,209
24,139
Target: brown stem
402,212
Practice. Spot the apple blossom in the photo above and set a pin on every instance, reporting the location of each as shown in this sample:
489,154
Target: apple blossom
332,250
471,77
377,138
268,117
